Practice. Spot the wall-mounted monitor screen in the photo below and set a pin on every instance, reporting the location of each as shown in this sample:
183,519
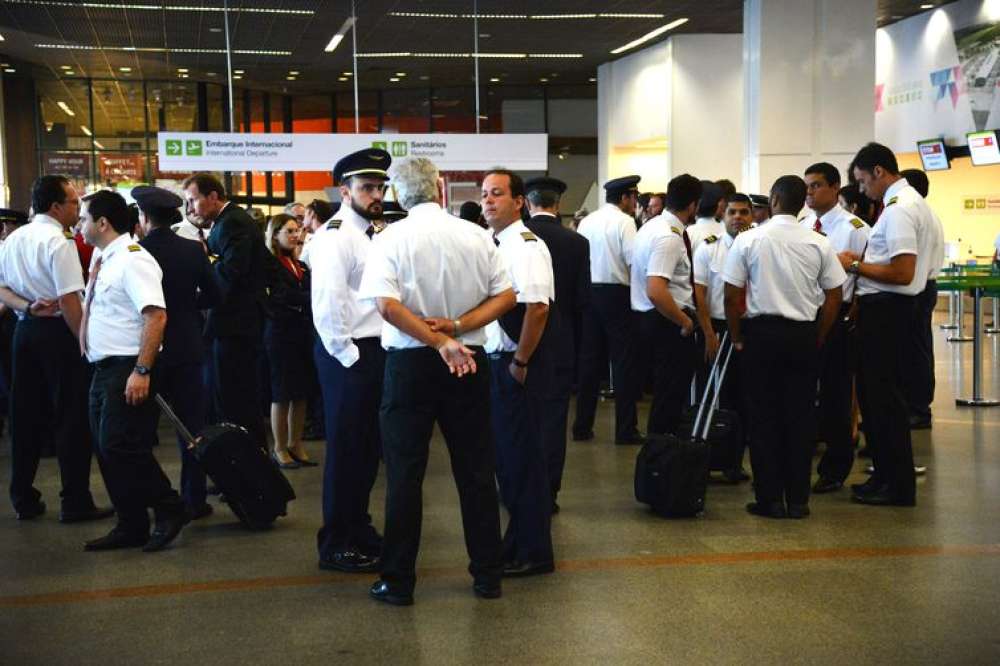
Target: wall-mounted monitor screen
983,147
933,155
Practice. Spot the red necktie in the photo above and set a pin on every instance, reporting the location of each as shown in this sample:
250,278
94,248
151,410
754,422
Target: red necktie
818,226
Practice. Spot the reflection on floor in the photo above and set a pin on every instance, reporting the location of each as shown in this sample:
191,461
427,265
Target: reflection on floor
851,584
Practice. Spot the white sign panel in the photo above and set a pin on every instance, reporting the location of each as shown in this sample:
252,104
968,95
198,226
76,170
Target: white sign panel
212,151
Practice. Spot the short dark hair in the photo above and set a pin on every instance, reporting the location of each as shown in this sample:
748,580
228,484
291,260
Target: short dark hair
48,190
644,199
739,197
111,206
790,191
727,186
615,196
711,195
873,155
917,180
321,209
829,172
206,184
682,191
516,182
852,195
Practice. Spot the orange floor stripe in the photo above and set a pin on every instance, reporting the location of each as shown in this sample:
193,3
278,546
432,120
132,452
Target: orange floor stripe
565,566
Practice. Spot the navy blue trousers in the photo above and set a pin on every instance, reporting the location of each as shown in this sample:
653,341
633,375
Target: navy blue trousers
351,400
183,387
521,471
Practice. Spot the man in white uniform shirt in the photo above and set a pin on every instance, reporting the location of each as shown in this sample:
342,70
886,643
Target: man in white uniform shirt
836,379
41,280
609,327
892,272
350,364
522,366
662,295
428,273
124,317
710,298
784,274
705,224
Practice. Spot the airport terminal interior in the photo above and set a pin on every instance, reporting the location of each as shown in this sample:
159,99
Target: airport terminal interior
271,95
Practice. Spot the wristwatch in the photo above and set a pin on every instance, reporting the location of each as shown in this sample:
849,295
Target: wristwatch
457,323
517,363
855,267
141,370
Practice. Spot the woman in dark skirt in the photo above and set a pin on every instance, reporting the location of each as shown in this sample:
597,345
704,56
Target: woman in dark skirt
287,338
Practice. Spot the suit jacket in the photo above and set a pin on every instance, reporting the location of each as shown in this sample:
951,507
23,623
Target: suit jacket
289,303
241,270
189,287
571,268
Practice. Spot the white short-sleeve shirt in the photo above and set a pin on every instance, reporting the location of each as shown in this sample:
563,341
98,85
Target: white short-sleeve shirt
611,234
660,251
529,266
905,227
846,233
129,280
785,269
338,253
40,260
709,261
702,228
436,265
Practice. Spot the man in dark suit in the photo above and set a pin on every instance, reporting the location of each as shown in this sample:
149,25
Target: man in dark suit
234,325
571,268
188,288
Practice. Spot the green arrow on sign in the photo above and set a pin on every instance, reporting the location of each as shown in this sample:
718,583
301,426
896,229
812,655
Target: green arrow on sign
173,147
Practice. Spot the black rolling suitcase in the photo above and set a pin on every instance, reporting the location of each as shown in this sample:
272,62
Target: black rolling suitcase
671,472
249,481
725,433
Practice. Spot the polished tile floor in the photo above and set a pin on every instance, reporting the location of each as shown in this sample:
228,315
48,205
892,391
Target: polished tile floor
852,584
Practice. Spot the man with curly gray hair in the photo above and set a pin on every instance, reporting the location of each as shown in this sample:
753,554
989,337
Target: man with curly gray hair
437,282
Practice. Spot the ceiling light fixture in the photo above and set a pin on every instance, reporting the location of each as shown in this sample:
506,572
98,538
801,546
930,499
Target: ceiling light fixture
339,37
394,79
125,69
239,71
2,39
543,80
211,74
237,76
629,16
422,15
293,72
927,6
494,80
555,55
215,29
342,78
414,54
65,67
70,72
157,49
183,70
86,130
65,107
162,7
650,35
10,70
400,74
98,144
290,78
563,16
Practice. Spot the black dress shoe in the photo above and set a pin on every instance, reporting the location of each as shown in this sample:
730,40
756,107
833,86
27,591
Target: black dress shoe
199,512
165,531
882,498
115,539
349,561
798,511
380,591
93,513
768,510
487,589
826,486
583,436
522,569
31,511
868,487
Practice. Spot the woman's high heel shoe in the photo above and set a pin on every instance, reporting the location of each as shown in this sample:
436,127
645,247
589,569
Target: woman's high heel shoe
292,464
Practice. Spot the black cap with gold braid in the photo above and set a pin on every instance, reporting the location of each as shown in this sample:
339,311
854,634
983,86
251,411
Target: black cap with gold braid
371,162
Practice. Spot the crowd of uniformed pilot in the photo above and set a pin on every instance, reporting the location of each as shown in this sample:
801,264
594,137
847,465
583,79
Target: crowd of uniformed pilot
410,318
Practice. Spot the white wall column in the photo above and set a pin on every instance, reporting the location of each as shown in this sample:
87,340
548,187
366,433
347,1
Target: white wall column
809,80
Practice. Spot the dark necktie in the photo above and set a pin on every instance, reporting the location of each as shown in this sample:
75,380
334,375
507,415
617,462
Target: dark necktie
87,303
370,231
687,246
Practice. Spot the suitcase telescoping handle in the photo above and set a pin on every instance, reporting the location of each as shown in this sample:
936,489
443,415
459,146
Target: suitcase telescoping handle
720,376
174,419
708,386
